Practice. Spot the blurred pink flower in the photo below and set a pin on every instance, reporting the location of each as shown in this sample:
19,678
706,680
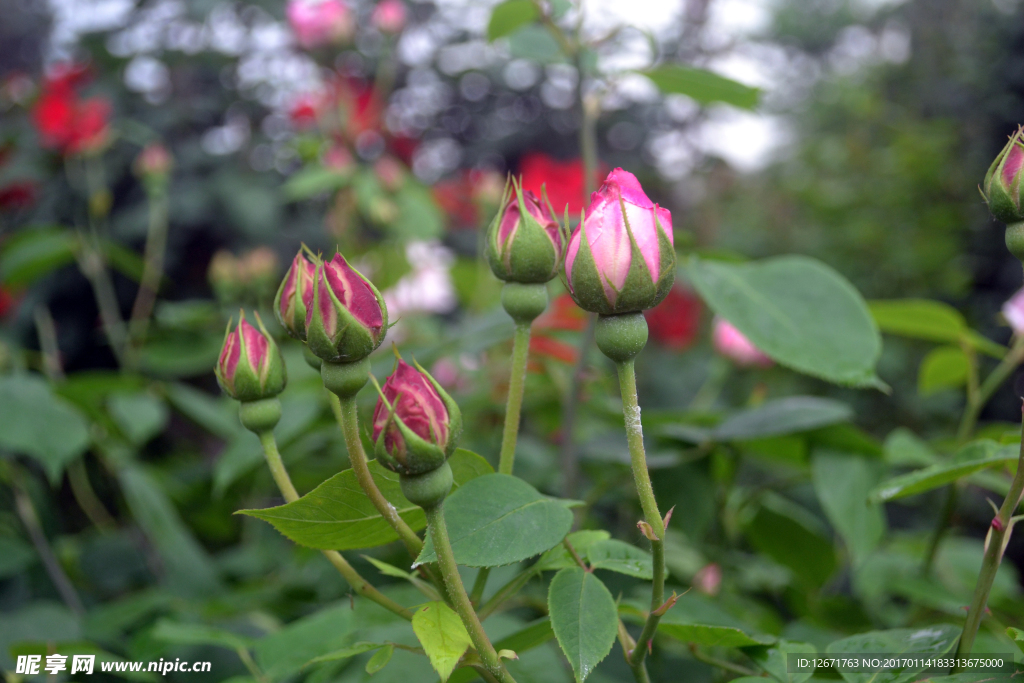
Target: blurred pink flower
389,16
708,579
731,343
319,22
1013,311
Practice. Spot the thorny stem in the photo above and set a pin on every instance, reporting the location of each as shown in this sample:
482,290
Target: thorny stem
27,513
516,387
354,579
642,479
347,414
977,397
995,544
152,272
457,592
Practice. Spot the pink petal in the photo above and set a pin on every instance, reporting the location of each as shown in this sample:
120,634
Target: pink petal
1013,163
255,345
732,344
665,218
570,255
1013,311
629,187
353,293
609,243
645,232
229,356
509,223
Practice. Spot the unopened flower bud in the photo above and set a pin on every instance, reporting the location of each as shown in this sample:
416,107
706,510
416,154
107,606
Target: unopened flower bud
250,366
348,318
731,343
153,166
621,259
416,424
295,295
1002,182
525,242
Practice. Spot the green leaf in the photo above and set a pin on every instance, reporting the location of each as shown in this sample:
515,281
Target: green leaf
843,483
903,447
933,640
32,253
699,620
702,85
379,660
929,320
285,652
918,319
39,621
197,634
15,555
418,214
509,16
559,556
313,180
499,519
139,415
583,617
534,635
442,635
946,367
35,422
1017,635
783,416
793,537
188,567
940,474
346,652
337,515
773,660
535,43
797,310
618,556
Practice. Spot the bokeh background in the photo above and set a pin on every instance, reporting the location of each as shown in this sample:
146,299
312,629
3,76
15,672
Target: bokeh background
874,124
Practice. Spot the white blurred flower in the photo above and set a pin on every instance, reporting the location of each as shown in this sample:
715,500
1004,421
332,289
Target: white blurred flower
1013,311
428,288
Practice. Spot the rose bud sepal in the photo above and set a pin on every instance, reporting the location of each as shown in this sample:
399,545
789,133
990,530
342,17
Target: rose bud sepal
334,331
415,454
250,367
638,292
1003,179
295,294
525,241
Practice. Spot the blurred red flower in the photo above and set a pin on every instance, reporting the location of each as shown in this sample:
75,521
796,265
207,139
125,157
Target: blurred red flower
563,314
305,110
562,179
17,195
674,322
7,302
65,122
553,348
455,197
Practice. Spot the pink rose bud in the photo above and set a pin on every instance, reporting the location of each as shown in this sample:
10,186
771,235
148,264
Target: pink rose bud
320,22
525,242
153,161
621,259
250,366
347,318
1002,182
389,16
295,295
731,343
1013,311
416,423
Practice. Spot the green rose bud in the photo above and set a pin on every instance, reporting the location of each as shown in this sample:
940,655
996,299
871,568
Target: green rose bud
525,242
250,366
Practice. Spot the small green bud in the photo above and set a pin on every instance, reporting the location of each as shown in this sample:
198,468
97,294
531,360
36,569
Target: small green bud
525,242
250,366
1002,182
